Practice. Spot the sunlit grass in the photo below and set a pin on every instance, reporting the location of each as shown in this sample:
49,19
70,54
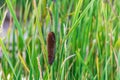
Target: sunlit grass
87,40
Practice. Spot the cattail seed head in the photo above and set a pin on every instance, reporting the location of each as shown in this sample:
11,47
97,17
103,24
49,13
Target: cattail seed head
51,47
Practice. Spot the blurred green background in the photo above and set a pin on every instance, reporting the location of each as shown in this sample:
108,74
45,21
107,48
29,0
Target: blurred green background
87,40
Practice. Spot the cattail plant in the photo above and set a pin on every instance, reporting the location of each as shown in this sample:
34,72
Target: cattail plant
51,47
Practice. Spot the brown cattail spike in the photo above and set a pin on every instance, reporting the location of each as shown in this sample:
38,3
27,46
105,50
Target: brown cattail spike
51,47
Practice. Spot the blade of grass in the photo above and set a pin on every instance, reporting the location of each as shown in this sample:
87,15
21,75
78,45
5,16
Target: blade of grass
5,53
23,62
9,4
78,20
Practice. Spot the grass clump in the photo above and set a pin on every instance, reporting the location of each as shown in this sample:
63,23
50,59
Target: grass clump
87,40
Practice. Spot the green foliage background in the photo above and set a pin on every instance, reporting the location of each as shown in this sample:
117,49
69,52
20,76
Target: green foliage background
87,39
